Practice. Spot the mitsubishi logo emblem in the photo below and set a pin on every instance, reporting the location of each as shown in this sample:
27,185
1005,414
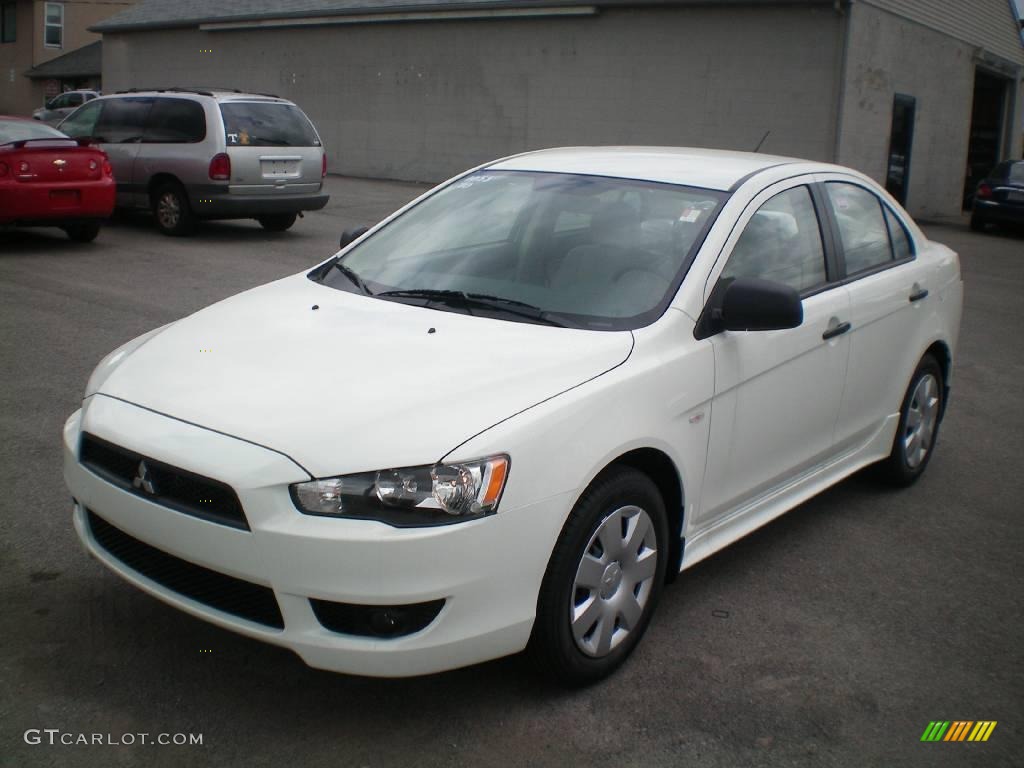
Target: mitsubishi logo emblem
143,480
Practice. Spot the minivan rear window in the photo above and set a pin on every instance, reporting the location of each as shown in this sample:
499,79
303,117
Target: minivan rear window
266,124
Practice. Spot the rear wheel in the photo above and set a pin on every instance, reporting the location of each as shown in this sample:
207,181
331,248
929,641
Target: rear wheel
603,580
171,210
918,430
83,231
277,222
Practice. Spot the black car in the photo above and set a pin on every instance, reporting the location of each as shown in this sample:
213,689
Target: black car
999,197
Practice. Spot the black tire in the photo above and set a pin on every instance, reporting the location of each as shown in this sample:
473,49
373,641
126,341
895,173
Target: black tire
899,469
171,210
277,222
978,222
83,231
553,646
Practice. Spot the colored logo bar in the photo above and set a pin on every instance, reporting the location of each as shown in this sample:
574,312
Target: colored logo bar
958,730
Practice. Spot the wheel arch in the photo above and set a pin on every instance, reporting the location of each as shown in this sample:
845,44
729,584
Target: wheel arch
662,470
162,177
941,352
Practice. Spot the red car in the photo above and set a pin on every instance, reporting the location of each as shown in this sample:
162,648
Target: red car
48,179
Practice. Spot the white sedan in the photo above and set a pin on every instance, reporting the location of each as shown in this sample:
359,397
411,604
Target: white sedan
505,416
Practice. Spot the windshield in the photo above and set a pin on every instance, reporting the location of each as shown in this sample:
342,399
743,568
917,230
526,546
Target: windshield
18,130
266,124
587,251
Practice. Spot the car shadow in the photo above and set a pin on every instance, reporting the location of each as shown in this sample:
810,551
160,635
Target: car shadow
141,222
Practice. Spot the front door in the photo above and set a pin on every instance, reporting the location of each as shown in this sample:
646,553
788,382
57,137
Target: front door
777,393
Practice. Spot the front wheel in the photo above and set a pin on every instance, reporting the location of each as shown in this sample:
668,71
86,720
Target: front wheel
918,429
277,222
603,580
83,231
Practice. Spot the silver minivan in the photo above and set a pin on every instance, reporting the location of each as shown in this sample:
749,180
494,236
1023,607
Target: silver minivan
202,154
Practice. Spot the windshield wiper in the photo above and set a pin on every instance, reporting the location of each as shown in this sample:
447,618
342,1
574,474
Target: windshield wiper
353,278
469,300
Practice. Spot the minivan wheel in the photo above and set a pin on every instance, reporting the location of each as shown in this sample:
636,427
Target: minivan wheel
920,416
277,222
603,580
171,210
83,231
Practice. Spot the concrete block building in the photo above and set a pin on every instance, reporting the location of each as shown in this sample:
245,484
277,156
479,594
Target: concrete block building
924,95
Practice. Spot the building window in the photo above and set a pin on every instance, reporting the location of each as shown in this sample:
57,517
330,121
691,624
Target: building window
8,22
53,27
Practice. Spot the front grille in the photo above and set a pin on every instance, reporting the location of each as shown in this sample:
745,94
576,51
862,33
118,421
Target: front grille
217,590
172,487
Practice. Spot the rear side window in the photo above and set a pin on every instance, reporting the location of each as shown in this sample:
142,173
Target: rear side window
175,121
901,246
862,229
122,120
266,124
82,122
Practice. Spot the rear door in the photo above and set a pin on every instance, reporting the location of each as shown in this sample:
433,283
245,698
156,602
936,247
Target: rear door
889,298
273,147
119,129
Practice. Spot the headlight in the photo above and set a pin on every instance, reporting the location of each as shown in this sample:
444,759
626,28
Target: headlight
410,496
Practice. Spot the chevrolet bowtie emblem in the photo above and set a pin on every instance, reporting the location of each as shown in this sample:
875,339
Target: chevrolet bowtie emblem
143,480
60,163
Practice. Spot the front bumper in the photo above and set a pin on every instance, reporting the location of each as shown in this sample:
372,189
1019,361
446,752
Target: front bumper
488,571
215,202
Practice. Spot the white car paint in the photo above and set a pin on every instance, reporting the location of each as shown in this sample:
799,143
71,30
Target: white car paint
753,422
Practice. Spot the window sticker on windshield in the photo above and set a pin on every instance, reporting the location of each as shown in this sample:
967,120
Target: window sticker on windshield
689,214
470,181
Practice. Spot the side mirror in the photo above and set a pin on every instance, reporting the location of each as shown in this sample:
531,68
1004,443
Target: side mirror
351,234
752,304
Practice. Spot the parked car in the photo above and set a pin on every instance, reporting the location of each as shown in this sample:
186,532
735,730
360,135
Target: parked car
999,198
193,154
48,179
508,414
62,105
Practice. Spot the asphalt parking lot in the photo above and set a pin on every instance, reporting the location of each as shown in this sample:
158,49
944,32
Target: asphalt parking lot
829,638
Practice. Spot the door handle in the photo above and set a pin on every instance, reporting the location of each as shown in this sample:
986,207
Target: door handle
837,330
918,295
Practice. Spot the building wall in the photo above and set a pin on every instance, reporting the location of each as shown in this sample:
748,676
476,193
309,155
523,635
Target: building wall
423,100
986,23
16,90
78,17
888,54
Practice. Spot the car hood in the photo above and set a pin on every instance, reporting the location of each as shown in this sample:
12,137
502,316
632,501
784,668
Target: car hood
358,384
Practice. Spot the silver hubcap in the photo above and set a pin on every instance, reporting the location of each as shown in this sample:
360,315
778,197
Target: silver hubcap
613,581
168,210
921,420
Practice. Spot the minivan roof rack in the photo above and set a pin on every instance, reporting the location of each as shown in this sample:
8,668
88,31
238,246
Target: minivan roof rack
166,90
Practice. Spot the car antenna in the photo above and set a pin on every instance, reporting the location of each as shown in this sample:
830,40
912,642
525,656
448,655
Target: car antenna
762,141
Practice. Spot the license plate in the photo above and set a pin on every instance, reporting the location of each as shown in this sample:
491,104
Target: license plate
64,198
279,169
1015,197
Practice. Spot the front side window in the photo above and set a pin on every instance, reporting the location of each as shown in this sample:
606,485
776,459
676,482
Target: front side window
82,122
862,229
73,100
53,25
582,251
8,22
122,120
266,124
782,242
175,121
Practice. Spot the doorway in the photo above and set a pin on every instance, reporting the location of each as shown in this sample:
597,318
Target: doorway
985,144
901,142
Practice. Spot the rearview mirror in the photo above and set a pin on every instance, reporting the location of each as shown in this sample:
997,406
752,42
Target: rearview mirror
352,234
752,304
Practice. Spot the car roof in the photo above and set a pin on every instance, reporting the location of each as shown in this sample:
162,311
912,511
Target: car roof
707,168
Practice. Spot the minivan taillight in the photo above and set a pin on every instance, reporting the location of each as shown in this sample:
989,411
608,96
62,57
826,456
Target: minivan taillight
323,165
220,167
